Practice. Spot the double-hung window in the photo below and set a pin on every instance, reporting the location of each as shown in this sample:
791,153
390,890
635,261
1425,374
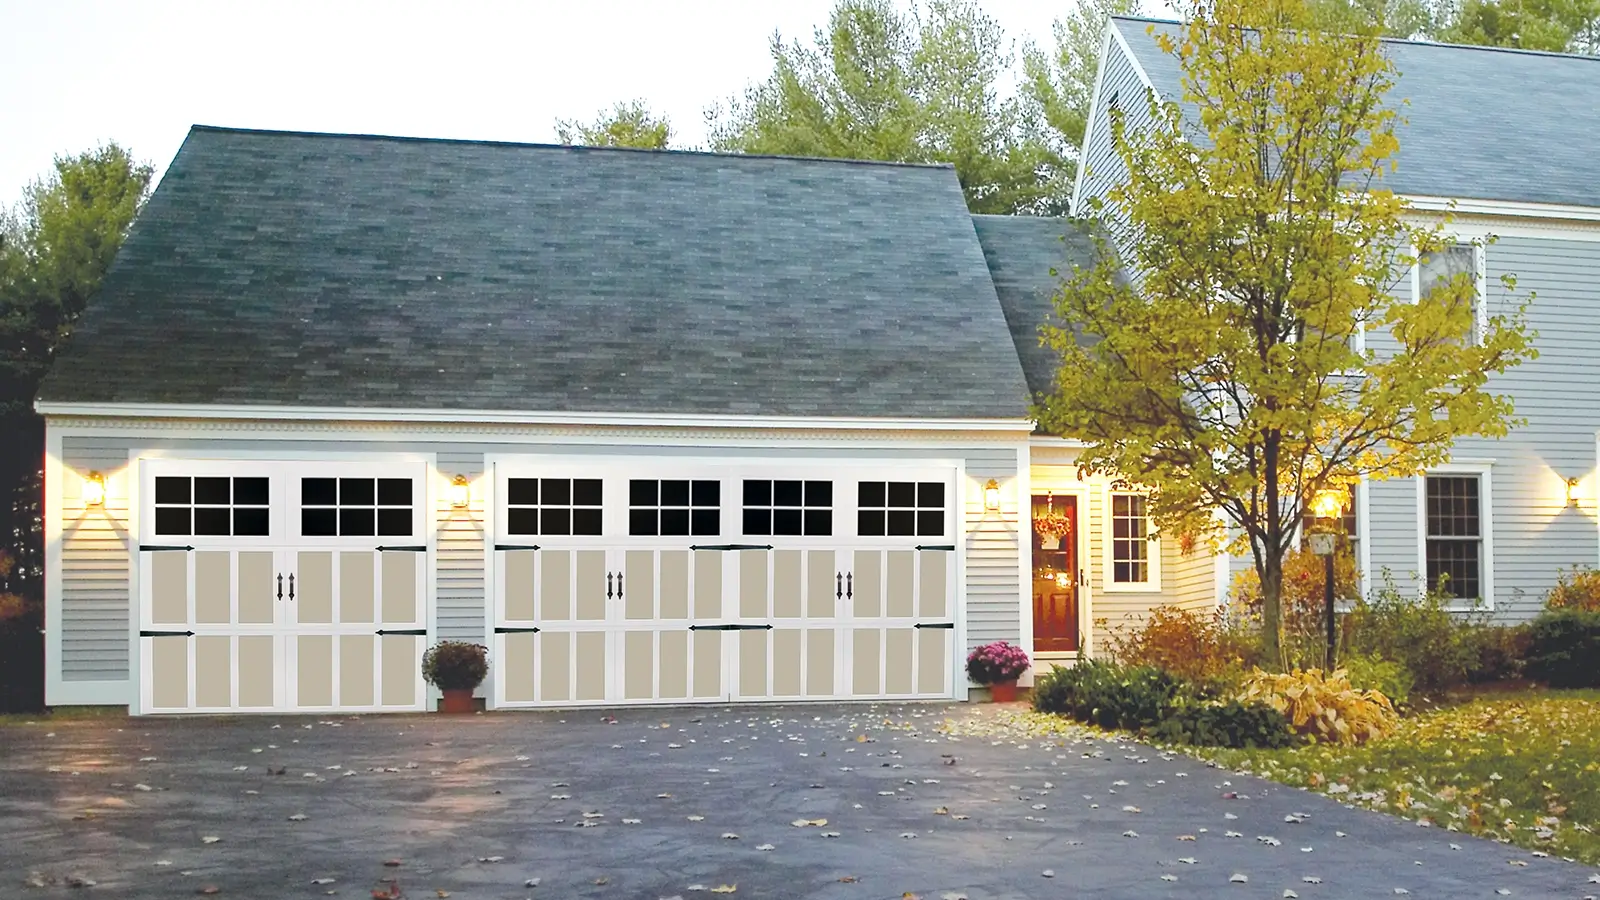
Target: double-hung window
1132,558
1454,513
1445,265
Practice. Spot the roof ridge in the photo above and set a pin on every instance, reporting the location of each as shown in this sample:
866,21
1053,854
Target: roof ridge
484,142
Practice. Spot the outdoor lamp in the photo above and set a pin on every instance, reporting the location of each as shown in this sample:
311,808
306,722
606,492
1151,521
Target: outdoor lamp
460,492
991,496
94,489
1572,492
1328,503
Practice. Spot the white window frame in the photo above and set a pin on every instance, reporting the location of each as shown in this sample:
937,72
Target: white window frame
1108,574
1484,469
1480,307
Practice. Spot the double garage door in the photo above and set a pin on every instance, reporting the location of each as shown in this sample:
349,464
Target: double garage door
635,583
281,586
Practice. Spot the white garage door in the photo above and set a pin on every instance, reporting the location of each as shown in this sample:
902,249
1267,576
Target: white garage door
281,586
636,583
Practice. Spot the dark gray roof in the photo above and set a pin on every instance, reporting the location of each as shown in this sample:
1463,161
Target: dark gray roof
1482,122
1029,257
354,271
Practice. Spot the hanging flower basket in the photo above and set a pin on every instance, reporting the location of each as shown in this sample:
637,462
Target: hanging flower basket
1051,526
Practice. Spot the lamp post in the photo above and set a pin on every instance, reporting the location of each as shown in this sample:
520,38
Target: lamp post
1328,505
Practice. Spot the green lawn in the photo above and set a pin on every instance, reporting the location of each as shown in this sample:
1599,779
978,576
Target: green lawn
1522,768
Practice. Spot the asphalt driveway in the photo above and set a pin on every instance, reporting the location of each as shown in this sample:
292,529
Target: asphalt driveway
787,802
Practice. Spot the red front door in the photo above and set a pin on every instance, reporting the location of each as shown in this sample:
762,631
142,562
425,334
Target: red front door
1055,573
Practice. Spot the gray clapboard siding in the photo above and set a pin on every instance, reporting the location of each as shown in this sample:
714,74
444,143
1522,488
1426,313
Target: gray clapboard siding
459,559
993,582
94,565
1120,85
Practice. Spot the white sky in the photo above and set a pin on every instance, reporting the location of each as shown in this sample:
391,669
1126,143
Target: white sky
77,73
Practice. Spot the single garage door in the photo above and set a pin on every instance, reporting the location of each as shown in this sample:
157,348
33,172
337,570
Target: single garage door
639,583
276,586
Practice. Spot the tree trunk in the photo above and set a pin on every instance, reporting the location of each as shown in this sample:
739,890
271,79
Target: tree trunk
1272,610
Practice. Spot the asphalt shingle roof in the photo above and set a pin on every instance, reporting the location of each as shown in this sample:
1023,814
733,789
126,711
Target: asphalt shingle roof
1028,258
1483,123
278,268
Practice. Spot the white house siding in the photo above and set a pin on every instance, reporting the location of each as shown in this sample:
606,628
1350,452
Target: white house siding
93,550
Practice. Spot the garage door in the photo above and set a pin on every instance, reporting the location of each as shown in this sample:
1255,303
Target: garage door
281,586
636,583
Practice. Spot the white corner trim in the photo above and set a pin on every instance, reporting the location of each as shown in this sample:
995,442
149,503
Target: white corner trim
55,691
1484,469
505,417
1107,549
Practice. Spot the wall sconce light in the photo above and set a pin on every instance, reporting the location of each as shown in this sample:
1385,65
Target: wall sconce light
94,489
1572,492
460,492
991,496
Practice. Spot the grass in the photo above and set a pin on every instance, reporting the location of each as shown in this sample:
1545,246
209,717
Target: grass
1520,768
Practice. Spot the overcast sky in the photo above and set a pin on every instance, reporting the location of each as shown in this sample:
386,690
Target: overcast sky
78,73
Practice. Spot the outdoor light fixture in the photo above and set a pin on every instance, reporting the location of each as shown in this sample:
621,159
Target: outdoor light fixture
1328,503
1572,492
94,489
991,496
460,492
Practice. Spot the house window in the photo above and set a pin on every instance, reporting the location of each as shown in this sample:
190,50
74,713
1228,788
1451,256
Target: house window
787,507
1130,539
900,509
211,506
553,506
345,507
1445,265
1454,513
674,507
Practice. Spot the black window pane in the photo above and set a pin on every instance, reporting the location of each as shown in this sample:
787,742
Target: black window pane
554,521
172,520
250,491
930,523
213,490
394,522
930,494
707,493
870,493
786,493
902,523
819,521
522,491
1121,527
250,522
642,521
757,521
706,523
869,523
819,493
1122,572
319,522
586,521
318,492
522,521
786,521
675,493
585,492
675,521
355,492
757,493
902,493
213,520
1119,504
357,521
394,492
555,492
642,493
172,490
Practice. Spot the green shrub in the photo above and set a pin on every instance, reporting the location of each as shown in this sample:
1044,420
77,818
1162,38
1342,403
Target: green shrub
455,665
1374,673
1230,723
1438,646
1502,653
1111,695
1564,648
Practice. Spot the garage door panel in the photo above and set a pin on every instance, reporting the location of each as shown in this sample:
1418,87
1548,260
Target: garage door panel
518,663
821,584
213,589
315,603
169,591
753,591
314,670
899,665
933,591
591,585
555,585
786,661
708,584
401,661
673,677
357,587
213,671
868,602
639,665
639,593
169,672
674,592
521,567
820,644
902,572
258,669
555,666
866,661
708,665
933,660
786,587
753,663
590,652
400,577
357,668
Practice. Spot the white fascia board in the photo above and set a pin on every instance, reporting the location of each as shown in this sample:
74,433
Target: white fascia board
1061,442
504,417
1122,41
1507,208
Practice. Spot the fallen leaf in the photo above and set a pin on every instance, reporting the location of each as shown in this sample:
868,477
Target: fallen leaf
298,817
1238,878
724,889
848,879
210,839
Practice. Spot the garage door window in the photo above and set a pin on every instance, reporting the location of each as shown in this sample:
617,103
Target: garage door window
787,507
355,507
900,509
211,506
674,507
553,506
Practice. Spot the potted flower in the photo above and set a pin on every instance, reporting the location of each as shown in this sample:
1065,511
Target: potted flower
998,666
456,668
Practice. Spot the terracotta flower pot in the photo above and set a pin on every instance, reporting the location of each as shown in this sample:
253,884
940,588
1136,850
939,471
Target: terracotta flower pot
1003,691
457,700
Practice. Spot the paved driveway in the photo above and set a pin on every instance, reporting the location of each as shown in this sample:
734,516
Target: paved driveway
671,803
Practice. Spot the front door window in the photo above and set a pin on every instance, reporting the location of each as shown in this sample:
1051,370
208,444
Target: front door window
1055,573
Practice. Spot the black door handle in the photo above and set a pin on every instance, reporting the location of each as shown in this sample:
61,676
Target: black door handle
849,585
608,586
619,585
280,585
291,586
838,590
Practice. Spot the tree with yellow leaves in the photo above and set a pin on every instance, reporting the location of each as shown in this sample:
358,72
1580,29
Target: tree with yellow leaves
1248,335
